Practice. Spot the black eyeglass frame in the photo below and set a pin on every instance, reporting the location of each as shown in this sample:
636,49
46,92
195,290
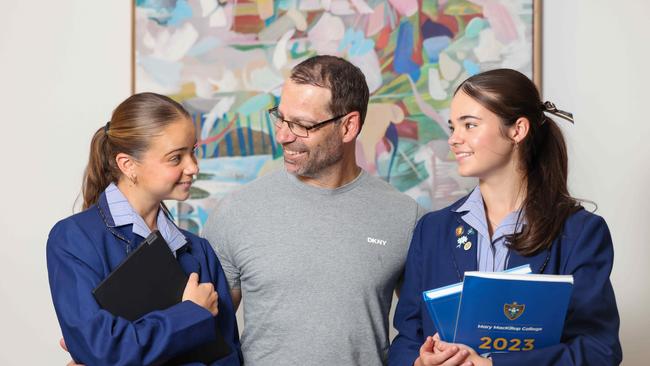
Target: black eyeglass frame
274,113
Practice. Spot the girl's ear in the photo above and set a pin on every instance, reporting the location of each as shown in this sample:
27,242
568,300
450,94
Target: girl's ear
519,129
126,164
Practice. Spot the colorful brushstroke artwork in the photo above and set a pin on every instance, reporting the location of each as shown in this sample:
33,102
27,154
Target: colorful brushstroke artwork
225,61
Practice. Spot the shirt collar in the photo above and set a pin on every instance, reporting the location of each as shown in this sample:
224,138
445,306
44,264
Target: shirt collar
472,203
124,214
474,215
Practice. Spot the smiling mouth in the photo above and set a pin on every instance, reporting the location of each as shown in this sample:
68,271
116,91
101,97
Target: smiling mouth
462,155
291,153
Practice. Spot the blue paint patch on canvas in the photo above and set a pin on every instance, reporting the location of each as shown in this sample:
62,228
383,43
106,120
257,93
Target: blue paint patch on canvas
471,67
156,4
251,145
392,136
229,147
432,29
255,104
425,202
241,141
181,13
160,11
402,62
274,151
474,27
359,45
203,214
434,45
286,4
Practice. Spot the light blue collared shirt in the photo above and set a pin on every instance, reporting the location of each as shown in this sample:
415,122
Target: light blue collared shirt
492,253
124,214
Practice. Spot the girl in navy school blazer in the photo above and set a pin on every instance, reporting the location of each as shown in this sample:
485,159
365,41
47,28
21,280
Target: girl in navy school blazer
501,135
148,149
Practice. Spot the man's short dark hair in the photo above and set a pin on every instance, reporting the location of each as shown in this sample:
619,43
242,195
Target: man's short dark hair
345,81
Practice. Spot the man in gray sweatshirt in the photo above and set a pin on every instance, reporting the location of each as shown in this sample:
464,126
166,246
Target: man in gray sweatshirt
316,249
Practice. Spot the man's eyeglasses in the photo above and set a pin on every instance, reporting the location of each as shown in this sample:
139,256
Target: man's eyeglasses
298,128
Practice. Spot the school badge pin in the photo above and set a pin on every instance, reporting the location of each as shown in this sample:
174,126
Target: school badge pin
514,310
462,240
459,231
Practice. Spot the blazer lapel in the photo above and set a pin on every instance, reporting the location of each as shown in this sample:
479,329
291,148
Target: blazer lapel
464,241
124,233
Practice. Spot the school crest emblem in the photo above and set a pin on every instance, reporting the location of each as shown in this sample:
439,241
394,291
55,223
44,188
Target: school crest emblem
514,310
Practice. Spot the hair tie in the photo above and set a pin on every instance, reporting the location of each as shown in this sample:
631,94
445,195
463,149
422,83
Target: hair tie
107,126
551,108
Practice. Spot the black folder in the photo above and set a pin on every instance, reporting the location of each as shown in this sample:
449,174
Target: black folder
150,279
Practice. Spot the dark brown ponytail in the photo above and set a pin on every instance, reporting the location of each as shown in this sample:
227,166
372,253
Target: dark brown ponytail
511,95
100,171
134,122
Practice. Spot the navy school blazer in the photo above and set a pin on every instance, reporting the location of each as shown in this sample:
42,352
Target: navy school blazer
82,250
584,249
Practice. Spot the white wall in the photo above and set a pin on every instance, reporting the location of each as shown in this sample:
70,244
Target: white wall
64,65
595,64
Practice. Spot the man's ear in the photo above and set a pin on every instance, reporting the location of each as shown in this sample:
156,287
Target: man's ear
351,126
519,130
126,164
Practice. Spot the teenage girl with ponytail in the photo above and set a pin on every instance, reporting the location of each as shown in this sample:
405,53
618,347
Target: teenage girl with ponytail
143,156
520,213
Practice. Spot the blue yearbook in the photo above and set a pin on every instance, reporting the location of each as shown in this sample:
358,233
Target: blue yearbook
504,312
442,304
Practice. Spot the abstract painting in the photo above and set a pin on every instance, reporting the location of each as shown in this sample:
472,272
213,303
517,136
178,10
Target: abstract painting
225,61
